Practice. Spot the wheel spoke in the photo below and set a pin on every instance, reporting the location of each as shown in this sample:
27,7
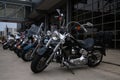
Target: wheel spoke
95,58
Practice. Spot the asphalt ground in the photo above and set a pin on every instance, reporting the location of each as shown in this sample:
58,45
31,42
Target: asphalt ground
14,68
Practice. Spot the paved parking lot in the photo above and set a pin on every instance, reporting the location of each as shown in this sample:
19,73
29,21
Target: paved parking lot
13,68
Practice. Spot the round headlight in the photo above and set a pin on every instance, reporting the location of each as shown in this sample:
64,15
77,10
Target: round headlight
54,38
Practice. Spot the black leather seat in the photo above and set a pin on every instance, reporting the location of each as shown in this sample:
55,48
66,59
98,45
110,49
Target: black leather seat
87,43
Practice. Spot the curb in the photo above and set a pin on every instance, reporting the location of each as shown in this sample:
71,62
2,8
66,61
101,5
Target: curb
111,63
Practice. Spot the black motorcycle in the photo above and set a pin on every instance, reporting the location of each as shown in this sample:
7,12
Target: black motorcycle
68,51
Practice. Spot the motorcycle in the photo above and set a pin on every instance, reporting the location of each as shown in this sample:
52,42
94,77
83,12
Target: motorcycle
9,40
16,40
26,42
30,51
68,51
19,44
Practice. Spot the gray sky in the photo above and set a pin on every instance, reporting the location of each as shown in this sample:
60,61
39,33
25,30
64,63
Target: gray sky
9,25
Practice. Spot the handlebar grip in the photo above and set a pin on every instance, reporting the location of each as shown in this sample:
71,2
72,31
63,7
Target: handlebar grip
84,28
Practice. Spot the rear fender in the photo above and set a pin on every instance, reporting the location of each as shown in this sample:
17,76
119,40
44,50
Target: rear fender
101,49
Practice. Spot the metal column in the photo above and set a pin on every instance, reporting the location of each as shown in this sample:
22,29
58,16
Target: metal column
46,22
68,11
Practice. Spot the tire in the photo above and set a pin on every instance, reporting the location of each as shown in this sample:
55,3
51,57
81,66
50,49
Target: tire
39,63
95,58
5,47
26,56
11,48
17,52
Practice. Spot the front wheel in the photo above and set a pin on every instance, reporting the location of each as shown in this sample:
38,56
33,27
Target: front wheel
5,46
27,56
39,63
95,58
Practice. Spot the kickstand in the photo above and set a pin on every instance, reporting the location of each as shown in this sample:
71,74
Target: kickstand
69,68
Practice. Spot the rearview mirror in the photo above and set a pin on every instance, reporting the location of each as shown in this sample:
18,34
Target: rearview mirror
89,24
62,15
58,10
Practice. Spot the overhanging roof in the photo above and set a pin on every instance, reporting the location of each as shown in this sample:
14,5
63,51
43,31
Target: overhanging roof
13,8
18,2
43,6
47,4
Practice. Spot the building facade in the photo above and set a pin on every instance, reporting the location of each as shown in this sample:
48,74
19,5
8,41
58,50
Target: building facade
104,14
14,10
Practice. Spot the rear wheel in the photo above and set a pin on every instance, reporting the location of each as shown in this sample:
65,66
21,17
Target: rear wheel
95,58
39,63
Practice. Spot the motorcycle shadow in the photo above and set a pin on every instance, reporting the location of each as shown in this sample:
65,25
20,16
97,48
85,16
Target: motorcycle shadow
55,68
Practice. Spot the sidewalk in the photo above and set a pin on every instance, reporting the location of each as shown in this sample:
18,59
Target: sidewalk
112,57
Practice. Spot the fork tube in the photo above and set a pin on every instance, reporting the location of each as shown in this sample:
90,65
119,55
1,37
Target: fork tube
48,42
34,50
55,49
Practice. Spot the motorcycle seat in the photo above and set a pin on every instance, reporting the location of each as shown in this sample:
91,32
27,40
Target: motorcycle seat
87,43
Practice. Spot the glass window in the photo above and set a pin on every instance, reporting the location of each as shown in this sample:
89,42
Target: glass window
112,44
97,20
118,16
88,20
81,17
88,15
20,13
2,8
108,6
15,11
109,26
11,10
98,27
102,13
118,25
109,18
117,4
97,8
118,35
118,44
27,10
